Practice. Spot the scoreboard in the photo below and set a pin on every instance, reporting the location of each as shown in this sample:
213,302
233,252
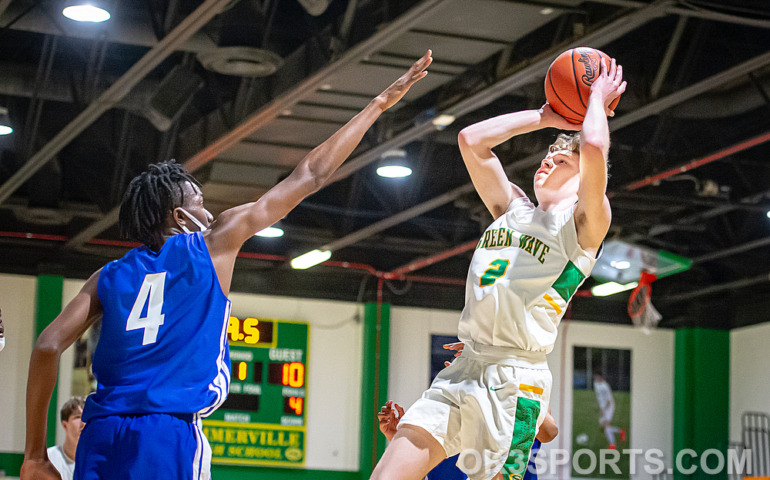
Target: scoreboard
263,420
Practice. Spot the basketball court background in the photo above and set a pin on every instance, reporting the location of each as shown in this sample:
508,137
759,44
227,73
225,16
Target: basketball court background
689,176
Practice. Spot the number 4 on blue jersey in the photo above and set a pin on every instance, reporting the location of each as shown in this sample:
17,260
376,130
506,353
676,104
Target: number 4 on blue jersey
150,294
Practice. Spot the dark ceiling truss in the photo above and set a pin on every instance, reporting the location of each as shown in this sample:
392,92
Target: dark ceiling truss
236,129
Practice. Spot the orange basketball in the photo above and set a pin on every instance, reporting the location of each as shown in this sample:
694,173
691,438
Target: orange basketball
569,79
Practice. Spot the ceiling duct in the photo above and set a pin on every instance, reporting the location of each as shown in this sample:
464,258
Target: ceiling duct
242,37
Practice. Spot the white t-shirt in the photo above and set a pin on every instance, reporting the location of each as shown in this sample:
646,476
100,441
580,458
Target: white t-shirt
525,269
604,395
64,464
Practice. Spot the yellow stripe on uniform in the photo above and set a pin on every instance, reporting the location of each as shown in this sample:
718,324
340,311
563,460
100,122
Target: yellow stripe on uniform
530,388
552,303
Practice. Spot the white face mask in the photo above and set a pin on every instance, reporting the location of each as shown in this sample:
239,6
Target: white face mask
194,220
2,343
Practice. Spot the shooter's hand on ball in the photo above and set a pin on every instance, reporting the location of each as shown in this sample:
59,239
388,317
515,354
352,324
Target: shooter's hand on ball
609,86
549,118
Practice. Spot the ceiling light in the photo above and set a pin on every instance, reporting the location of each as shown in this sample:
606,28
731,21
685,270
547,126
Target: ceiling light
611,288
86,12
546,11
394,164
270,232
311,258
5,122
443,121
768,214
620,264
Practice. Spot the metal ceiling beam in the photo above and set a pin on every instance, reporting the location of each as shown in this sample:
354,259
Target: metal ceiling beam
308,86
114,94
284,101
746,282
701,216
719,17
4,6
616,124
120,31
534,70
745,247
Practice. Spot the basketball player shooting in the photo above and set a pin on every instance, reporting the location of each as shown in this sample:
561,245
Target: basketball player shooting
162,361
493,398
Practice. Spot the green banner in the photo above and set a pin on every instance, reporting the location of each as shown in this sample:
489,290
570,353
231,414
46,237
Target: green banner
255,444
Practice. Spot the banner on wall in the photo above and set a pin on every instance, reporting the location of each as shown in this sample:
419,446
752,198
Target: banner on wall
601,410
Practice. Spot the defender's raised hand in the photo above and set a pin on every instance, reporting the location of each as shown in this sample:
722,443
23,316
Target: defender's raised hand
398,89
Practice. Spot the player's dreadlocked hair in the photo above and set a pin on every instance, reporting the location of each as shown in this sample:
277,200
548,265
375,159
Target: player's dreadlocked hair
149,198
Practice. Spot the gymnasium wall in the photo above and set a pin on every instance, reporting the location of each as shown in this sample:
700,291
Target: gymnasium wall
17,301
334,381
749,367
652,370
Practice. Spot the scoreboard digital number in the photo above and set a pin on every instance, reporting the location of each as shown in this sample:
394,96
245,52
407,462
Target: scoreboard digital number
262,421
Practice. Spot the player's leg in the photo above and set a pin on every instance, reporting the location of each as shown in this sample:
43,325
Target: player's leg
609,430
410,456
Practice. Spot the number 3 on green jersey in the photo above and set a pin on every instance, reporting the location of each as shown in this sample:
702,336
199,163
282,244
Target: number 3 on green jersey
497,269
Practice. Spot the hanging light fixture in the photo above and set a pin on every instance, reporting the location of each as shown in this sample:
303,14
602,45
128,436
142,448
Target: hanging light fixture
86,11
394,164
5,122
311,258
274,231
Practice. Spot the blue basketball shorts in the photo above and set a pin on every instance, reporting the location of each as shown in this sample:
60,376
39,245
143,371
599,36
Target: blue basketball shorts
143,447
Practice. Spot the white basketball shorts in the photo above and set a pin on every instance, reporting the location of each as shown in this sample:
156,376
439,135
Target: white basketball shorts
487,406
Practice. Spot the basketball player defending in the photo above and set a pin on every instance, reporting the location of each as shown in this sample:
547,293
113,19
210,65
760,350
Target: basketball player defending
162,361
529,262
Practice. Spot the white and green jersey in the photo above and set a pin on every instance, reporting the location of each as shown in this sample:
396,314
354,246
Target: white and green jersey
525,269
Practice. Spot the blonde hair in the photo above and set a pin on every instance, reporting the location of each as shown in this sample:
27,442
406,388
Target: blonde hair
566,142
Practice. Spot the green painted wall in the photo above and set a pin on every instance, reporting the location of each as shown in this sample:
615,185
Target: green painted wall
10,463
48,304
701,394
374,384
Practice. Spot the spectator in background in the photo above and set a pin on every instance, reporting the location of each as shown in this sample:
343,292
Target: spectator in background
63,456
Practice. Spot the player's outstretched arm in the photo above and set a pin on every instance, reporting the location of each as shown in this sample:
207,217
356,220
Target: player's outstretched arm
592,214
235,226
486,171
71,323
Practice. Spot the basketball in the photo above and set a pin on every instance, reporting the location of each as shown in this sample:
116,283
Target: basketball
569,79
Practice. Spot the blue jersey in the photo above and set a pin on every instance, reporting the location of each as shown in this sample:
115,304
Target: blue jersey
163,344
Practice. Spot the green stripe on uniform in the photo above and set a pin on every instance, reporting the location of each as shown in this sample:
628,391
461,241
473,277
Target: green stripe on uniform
568,281
524,429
